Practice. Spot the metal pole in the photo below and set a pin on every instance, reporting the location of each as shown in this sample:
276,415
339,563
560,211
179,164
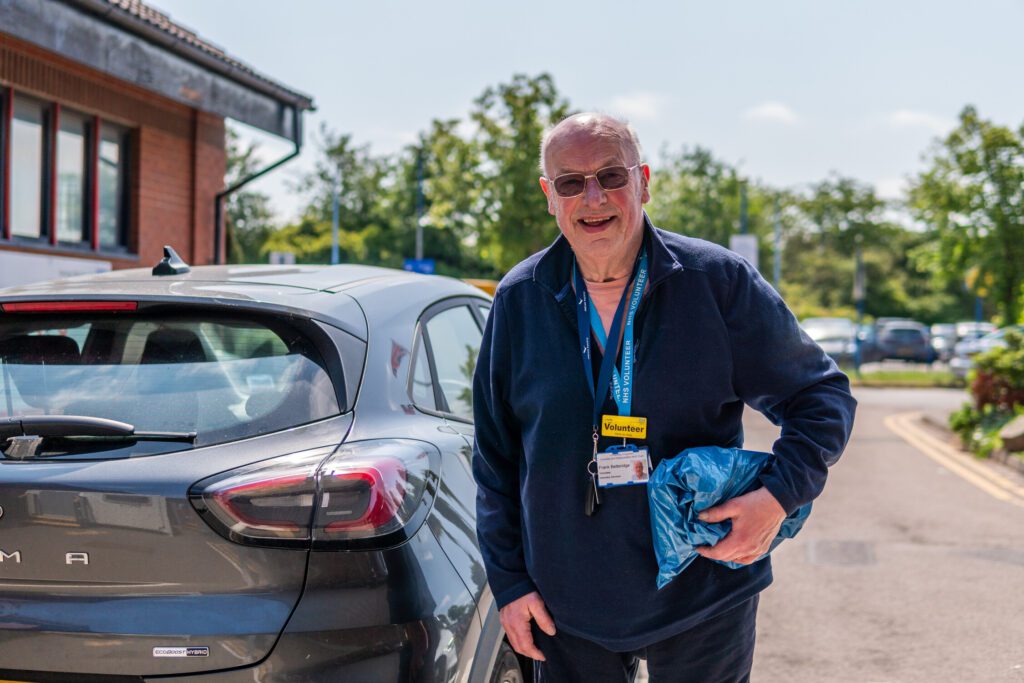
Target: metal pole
778,247
335,218
743,208
859,294
419,205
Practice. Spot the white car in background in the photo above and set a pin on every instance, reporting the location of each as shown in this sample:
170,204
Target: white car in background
965,351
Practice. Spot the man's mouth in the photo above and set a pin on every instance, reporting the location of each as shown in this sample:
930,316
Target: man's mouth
595,221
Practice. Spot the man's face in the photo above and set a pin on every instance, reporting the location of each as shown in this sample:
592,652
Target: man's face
599,224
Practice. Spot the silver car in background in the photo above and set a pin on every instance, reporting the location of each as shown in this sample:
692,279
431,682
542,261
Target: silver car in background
837,337
965,351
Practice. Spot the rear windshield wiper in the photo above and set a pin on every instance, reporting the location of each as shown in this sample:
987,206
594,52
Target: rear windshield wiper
25,433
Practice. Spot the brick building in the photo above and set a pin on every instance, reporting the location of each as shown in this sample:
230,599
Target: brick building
112,136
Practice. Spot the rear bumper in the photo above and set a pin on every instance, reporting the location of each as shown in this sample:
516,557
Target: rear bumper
388,654
408,652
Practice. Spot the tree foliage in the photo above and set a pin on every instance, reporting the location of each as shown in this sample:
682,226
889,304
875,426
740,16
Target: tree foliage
511,120
972,199
472,187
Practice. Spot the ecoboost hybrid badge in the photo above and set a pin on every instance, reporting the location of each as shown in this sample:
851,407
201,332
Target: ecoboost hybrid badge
181,652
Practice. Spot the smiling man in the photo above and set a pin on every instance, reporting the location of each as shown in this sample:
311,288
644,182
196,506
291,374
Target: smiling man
614,348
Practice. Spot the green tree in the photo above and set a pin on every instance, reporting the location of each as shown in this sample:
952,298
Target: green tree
512,212
449,165
695,194
247,214
972,199
367,228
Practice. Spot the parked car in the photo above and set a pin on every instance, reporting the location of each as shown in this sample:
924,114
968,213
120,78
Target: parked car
971,329
242,474
965,351
944,338
905,340
836,336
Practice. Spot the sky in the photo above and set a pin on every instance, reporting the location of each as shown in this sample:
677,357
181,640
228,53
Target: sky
790,91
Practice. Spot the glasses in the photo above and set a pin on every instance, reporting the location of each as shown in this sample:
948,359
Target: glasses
609,178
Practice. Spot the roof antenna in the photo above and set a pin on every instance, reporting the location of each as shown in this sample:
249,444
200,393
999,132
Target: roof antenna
172,264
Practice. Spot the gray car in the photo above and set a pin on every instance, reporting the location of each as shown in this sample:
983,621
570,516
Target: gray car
238,474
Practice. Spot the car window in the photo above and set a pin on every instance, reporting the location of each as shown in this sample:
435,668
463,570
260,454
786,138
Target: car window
455,343
224,378
422,384
904,334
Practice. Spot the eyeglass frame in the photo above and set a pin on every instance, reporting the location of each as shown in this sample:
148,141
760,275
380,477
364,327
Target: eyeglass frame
586,177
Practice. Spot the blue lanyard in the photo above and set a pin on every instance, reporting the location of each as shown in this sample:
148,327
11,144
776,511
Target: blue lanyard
587,319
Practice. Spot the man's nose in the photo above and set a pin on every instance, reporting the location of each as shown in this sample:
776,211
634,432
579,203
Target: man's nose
593,193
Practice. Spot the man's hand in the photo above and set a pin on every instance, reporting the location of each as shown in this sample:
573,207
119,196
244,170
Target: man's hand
756,518
515,618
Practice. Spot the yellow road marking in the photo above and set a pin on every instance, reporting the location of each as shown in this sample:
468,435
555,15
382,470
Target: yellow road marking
905,426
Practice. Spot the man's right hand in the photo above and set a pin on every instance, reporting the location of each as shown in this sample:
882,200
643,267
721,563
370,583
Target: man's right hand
515,618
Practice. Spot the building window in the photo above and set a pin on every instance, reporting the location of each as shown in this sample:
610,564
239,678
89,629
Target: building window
27,167
63,174
72,163
113,190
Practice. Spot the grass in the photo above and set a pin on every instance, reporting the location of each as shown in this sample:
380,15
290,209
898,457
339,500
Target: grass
906,378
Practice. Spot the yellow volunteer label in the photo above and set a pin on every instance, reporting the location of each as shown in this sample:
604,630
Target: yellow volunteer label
628,427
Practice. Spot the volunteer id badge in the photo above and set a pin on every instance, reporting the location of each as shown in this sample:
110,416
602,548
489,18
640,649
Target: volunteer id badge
623,466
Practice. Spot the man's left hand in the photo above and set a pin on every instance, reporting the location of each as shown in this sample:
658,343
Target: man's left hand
756,518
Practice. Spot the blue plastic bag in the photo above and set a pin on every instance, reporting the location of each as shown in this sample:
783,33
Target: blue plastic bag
693,481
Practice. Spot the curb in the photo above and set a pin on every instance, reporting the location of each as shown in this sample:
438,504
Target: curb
1000,455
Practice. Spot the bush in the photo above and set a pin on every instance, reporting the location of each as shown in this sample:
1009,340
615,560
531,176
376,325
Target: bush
999,375
997,387
979,429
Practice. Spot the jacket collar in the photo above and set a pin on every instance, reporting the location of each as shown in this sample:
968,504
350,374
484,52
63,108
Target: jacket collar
554,269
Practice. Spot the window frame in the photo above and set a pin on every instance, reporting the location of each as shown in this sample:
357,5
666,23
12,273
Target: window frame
93,126
422,337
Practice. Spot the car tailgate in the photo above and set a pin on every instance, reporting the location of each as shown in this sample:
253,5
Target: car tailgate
106,568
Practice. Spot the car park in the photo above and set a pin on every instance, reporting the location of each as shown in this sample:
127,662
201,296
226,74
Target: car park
256,473
963,357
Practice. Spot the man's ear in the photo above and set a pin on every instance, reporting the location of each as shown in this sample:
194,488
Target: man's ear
547,193
645,192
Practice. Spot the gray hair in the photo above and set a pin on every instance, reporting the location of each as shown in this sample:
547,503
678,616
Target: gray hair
605,124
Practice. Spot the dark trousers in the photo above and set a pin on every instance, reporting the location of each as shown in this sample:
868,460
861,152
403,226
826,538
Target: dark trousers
719,650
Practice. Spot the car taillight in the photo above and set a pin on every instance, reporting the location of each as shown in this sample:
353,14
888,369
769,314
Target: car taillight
363,494
370,489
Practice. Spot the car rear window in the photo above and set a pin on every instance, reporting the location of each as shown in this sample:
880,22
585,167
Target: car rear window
903,334
223,377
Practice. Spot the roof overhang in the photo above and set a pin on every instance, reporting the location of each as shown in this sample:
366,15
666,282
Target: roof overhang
110,39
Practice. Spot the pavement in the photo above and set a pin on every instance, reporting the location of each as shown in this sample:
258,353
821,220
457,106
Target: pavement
911,565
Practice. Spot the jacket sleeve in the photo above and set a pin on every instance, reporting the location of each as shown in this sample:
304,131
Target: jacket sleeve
781,372
497,454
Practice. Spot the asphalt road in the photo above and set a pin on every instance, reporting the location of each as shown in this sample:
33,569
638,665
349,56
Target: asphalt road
911,566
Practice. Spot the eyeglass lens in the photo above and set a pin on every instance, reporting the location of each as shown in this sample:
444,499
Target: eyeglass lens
610,178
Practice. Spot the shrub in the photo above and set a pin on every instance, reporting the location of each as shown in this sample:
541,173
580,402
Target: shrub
999,375
997,387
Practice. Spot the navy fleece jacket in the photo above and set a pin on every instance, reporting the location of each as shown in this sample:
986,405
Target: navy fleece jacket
711,335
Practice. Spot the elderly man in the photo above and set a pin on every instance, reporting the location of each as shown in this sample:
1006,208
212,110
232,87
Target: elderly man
617,346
